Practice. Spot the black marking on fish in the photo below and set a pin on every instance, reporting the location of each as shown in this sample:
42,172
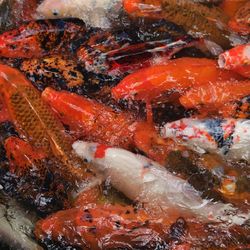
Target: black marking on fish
240,108
216,131
148,165
6,130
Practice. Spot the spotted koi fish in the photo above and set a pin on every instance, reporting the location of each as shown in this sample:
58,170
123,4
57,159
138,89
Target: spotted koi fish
39,38
53,71
143,180
229,138
236,59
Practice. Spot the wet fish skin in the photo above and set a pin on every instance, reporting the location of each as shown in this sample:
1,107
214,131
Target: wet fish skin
227,137
195,18
94,13
54,71
148,182
39,38
37,123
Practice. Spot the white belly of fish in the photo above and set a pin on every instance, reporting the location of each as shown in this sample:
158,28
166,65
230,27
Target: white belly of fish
229,138
143,180
95,13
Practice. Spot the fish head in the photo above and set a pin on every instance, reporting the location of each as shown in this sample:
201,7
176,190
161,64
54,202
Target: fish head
54,9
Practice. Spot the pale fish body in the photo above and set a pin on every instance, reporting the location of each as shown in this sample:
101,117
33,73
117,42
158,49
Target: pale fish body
143,180
96,13
229,138
17,225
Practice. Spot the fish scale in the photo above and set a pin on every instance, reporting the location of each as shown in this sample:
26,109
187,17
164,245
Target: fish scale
38,124
28,122
38,135
195,17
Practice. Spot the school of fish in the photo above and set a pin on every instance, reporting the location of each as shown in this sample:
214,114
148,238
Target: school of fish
125,124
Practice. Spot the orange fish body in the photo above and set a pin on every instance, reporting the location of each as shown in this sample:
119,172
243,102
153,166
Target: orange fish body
116,226
215,94
178,75
21,155
101,227
96,122
230,7
90,118
240,22
35,121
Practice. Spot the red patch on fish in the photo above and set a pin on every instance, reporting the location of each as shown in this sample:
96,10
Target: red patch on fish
100,151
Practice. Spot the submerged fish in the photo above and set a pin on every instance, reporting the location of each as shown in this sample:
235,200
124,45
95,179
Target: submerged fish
143,180
229,138
17,225
196,18
94,13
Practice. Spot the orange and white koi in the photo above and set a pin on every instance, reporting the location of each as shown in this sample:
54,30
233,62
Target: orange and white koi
237,59
229,138
177,75
146,181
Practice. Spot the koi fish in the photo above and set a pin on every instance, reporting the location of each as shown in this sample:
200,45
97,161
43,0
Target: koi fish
114,54
116,226
34,177
94,13
21,155
229,138
177,75
215,94
97,122
36,122
143,180
236,59
40,38
54,71
240,22
195,18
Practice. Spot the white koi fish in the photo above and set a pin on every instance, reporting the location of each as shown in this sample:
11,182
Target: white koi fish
96,13
143,180
228,137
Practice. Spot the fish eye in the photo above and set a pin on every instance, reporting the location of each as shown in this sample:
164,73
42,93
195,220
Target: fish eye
55,12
